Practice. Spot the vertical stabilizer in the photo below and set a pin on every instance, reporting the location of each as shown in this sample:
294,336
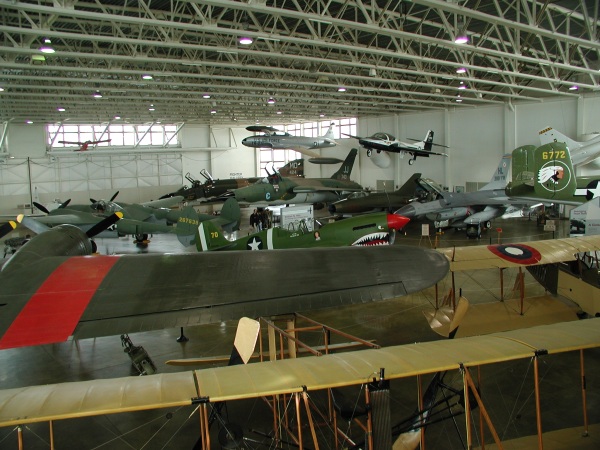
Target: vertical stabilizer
500,176
554,177
428,141
344,172
408,189
549,135
186,226
294,168
329,134
210,237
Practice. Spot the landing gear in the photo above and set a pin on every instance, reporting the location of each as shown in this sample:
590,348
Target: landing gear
411,161
369,152
141,238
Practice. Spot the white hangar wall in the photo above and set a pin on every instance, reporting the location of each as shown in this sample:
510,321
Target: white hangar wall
476,136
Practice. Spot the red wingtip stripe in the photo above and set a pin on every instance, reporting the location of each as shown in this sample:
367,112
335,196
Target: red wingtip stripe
53,312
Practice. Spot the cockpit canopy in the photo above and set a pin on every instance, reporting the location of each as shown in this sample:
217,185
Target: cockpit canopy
383,137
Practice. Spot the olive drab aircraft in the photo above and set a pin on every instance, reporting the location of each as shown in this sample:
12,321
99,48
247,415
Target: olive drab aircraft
276,139
385,142
279,190
139,219
546,173
213,188
116,294
366,230
581,152
415,188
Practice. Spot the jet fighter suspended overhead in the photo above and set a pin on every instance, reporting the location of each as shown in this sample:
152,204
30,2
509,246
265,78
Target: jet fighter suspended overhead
274,138
83,146
385,142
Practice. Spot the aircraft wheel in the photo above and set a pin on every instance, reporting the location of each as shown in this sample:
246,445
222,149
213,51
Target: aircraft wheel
411,162
141,237
488,224
369,152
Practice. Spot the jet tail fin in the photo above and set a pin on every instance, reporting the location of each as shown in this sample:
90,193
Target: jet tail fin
210,237
329,134
428,141
410,186
346,169
294,168
500,176
549,135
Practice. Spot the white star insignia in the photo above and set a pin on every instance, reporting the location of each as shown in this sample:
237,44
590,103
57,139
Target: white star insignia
254,244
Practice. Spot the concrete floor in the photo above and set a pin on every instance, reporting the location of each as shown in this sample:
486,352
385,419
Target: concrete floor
507,388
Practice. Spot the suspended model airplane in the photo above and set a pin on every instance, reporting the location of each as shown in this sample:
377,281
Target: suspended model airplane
83,146
384,142
367,230
279,190
581,152
274,138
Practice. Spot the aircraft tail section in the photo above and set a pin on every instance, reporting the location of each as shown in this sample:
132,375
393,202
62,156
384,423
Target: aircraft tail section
554,177
244,343
186,226
500,176
329,134
294,168
231,215
428,141
210,237
344,172
410,186
549,135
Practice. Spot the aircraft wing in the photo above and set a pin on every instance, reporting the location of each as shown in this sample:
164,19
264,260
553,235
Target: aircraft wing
414,151
20,406
522,254
109,295
70,218
304,189
164,202
305,151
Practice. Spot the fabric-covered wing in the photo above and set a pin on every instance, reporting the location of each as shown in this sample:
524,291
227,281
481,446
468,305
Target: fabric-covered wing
522,254
68,400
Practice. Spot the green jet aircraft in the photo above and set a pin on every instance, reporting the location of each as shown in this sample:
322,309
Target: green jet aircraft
366,230
546,173
279,190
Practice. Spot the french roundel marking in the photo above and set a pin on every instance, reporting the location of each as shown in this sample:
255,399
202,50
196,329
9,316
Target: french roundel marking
516,253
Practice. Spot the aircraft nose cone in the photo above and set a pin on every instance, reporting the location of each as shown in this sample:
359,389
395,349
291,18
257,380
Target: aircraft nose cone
396,222
408,211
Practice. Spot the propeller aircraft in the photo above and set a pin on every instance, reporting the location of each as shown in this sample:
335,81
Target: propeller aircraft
276,139
139,219
279,190
385,142
212,188
546,173
83,146
366,230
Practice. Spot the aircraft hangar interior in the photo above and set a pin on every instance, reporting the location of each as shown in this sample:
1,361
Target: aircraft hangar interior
425,173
